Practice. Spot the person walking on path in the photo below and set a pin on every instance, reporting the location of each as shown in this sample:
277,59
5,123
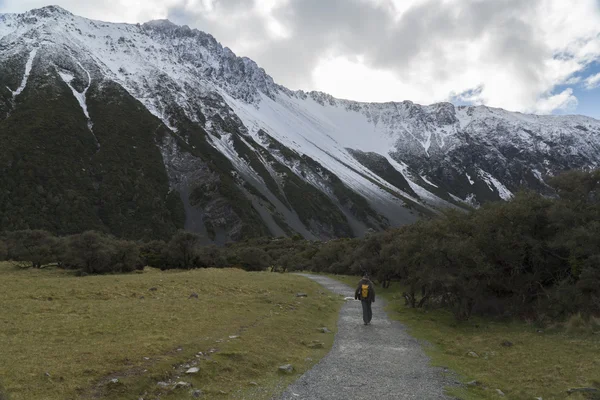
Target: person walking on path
365,292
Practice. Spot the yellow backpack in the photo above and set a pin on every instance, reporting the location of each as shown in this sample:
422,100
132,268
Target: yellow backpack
364,292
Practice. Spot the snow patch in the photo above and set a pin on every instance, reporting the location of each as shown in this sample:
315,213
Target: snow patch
67,77
471,181
28,68
428,181
492,183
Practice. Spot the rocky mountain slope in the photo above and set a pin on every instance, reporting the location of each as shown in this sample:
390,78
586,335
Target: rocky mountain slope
140,130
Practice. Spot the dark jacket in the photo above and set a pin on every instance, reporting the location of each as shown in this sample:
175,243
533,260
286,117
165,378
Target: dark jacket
358,292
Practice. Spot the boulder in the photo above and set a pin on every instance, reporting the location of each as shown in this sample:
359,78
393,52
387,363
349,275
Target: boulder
473,354
301,295
193,370
286,369
196,394
500,392
324,330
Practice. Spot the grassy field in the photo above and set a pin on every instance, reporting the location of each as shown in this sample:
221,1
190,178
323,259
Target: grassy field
542,362
112,337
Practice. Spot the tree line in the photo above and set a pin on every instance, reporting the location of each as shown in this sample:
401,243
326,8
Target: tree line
531,257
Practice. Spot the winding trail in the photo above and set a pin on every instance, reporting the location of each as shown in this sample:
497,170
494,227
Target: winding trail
375,362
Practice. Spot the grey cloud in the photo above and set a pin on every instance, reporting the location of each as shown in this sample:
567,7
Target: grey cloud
357,27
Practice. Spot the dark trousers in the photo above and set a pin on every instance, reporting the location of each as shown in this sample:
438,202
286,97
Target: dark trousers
367,312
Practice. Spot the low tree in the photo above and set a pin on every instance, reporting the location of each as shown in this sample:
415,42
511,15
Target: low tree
3,250
211,257
182,250
253,259
31,246
89,251
154,254
125,256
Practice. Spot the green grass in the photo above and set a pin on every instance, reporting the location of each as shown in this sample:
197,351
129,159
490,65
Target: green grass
85,331
539,364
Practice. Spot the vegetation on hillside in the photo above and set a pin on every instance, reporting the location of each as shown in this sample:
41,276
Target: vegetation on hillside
59,174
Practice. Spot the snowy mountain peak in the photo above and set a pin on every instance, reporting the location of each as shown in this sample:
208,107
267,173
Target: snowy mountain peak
49,11
226,120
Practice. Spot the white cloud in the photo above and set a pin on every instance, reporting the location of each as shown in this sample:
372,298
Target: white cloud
592,81
564,101
503,53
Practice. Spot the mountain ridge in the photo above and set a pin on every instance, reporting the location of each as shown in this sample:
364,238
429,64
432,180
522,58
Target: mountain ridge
247,156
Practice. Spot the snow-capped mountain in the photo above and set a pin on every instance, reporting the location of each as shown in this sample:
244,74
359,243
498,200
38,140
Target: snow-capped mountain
143,129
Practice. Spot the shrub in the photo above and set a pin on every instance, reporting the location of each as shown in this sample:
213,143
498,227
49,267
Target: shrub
3,250
153,254
125,256
36,247
211,257
253,259
182,250
89,251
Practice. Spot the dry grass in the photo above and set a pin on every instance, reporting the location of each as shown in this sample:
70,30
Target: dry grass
538,364
65,337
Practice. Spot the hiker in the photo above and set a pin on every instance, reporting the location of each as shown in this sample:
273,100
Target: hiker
365,292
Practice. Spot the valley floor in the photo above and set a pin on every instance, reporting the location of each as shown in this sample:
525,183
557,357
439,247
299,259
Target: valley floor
522,360
119,336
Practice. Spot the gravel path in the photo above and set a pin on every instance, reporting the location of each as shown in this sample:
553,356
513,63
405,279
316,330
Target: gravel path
374,362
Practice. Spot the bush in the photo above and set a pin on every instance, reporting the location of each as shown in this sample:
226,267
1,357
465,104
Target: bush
36,247
153,254
253,259
211,257
182,250
3,251
94,253
125,256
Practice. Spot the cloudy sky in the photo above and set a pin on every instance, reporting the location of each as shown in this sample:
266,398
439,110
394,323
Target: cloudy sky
539,56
